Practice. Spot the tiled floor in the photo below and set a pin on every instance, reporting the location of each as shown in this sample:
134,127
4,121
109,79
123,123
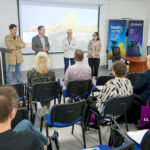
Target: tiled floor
74,142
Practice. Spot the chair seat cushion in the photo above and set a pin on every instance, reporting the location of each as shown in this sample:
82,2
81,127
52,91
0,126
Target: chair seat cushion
57,124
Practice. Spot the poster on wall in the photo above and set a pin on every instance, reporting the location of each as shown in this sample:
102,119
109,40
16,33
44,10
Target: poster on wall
117,37
135,38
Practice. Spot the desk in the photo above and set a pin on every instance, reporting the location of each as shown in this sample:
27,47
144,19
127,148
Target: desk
137,64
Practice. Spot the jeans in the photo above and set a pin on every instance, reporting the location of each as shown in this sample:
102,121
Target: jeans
26,125
94,64
12,68
66,61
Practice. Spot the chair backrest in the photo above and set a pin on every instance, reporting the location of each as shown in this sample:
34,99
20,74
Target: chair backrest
68,113
148,50
133,77
46,90
78,88
102,80
22,113
127,146
145,144
20,88
117,106
133,51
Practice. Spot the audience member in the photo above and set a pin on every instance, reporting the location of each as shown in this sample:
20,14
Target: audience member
142,87
41,73
78,71
119,86
24,136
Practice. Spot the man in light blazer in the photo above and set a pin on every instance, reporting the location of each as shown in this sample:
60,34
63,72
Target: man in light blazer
40,42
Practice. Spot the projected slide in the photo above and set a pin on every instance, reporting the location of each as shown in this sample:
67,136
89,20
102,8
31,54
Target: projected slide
56,21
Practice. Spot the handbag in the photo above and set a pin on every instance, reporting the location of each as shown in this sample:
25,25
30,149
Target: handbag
145,115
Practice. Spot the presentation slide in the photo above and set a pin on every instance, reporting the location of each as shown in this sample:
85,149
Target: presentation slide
57,19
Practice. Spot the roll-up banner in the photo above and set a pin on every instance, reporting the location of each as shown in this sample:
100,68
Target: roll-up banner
117,33
135,38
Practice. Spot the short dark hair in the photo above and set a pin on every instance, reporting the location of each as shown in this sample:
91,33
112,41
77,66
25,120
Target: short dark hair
11,26
8,100
119,68
39,27
78,55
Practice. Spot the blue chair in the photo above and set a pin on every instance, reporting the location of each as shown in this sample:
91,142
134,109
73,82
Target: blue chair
129,145
21,91
65,115
133,77
101,81
45,92
113,109
81,89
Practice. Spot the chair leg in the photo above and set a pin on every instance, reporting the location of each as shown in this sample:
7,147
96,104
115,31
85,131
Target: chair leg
72,129
83,134
99,131
41,124
54,101
47,134
64,99
125,116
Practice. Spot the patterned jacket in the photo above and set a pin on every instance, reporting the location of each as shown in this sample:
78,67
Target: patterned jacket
94,47
33,76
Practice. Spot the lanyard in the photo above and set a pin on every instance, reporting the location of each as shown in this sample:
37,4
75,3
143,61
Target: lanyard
69,41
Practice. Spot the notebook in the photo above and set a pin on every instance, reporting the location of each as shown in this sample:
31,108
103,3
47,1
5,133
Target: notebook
137,136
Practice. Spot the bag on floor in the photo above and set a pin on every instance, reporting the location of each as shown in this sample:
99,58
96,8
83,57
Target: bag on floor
115,139
145,115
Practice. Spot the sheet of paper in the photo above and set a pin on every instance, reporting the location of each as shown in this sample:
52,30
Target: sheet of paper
99,87
137,136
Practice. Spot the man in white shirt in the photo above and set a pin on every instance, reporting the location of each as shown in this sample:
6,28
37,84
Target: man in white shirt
69,46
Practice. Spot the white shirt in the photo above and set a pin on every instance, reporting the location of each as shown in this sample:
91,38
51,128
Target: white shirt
69,47
42,41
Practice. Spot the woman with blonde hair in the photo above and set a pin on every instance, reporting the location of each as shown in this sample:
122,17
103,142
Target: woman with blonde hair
41,73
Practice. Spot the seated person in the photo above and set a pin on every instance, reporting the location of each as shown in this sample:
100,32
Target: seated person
78,71
24,136
41,73
142,87
119,86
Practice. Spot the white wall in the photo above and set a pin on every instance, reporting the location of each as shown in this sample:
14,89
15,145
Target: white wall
111,9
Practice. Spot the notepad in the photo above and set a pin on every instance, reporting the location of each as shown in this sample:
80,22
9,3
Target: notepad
137,136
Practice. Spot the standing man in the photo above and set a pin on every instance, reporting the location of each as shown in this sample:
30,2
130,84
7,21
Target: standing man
14,44
69,46
40,42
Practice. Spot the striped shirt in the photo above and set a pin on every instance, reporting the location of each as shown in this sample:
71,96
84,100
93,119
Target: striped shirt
113,88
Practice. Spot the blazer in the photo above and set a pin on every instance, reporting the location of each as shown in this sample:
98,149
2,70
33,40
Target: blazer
37,44
142,86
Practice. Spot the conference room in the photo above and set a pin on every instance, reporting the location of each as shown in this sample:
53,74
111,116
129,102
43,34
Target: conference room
74,75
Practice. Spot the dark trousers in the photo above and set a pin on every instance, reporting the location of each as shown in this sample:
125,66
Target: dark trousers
66,61
94,64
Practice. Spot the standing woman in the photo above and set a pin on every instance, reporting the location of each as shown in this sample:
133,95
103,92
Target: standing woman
94,50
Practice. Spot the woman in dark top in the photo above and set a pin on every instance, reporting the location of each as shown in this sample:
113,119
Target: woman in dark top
41,73
142,87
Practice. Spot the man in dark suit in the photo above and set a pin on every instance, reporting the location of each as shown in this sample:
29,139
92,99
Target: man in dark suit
40,42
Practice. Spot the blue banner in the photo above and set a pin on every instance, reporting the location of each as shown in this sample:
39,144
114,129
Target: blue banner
117,33
135,38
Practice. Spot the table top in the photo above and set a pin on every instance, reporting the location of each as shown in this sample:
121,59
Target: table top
136,59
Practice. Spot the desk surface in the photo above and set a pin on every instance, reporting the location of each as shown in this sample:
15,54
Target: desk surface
136,59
